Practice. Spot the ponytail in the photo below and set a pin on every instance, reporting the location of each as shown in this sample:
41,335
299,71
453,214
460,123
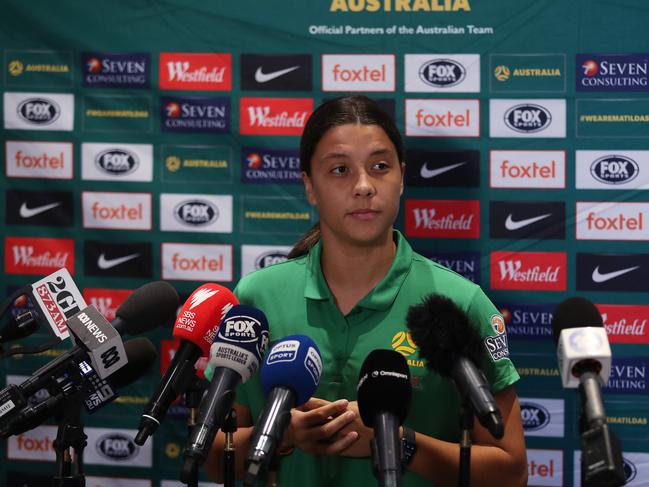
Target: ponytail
306,242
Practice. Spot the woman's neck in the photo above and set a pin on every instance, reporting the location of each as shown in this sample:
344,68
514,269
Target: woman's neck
352,271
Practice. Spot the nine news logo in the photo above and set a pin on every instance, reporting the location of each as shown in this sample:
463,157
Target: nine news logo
612,72
44,208
443,169
280,72
527,219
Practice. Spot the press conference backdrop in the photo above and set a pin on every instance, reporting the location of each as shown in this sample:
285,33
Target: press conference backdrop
159,140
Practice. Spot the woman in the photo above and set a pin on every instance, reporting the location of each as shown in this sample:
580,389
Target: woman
348,286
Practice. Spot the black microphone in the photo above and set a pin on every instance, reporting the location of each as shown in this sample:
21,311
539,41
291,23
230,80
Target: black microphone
453,348
21,326
148,307
141,355
235,356
584,356
384,393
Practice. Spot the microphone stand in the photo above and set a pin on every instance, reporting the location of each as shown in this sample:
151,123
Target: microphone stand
193,396
69,466
229,428
466,427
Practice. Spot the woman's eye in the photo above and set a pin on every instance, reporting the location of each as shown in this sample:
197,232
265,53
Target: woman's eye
381,166
339,170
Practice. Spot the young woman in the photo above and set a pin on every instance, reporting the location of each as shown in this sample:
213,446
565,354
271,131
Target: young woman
348,286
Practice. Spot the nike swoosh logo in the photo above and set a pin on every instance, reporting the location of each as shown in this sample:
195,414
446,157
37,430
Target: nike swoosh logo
607,276
261,77
104,263
431,173
510,224
30,212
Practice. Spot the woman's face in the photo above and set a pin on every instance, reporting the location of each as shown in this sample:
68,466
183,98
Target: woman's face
356,181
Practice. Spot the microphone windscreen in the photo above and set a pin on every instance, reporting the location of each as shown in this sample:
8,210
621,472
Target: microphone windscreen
293,362
141,354
384,386
574,313
199,318
443,333
150,306
240,341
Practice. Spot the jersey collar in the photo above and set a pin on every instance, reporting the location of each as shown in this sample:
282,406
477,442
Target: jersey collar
382,296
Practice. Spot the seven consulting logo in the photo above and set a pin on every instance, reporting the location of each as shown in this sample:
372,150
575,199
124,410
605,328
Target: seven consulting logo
116,70
612,72
195,114
265,166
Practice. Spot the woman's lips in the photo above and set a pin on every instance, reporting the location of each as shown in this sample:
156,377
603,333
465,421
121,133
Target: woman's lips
364,214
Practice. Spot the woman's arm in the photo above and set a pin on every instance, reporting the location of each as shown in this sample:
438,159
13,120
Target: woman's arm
494,463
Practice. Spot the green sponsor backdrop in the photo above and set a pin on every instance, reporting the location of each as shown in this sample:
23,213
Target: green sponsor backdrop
527,50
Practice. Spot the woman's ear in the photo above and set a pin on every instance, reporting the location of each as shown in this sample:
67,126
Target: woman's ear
403,173
308,189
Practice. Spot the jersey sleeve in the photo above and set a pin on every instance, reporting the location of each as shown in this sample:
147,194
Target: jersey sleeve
497,365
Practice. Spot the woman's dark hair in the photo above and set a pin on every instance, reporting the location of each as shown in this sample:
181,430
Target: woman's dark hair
356,109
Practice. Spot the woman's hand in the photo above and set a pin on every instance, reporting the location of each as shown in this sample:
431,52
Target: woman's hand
361,447
319,427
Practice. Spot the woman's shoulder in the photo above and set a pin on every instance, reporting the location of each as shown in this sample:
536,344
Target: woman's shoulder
442,276
276,276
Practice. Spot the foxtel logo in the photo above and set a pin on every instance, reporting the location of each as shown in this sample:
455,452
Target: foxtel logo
612,221
274,116
528,270
527,169
195,71
358,72
443,118
443,218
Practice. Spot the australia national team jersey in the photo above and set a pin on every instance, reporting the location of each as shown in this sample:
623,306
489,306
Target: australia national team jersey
295,298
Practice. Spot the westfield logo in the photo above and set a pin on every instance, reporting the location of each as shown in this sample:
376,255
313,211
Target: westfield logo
274,116
528,270
38,255
443,218
195,71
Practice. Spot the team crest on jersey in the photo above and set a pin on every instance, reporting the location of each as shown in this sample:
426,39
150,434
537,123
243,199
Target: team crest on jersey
402,342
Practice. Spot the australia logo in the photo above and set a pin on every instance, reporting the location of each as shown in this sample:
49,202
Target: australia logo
402,343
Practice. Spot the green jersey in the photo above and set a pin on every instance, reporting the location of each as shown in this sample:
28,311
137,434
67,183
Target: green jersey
296,299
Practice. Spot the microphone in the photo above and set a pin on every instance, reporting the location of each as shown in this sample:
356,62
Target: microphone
20,327
196,326
289,377
453,348
144,309
584,356
235,356
140,353
384,394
